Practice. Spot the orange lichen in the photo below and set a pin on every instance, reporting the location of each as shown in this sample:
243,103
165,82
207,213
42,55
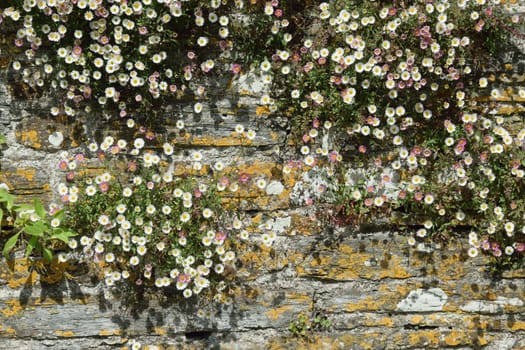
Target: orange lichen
66,334
29,137
275,313
107,333
13,309
160,331
18,273
451,268
383,322
416,319
454,338
423,338
368,303
26,173
262,110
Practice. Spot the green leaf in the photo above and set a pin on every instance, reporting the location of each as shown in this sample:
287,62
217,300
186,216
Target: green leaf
39,208
48,255
59,214
23,207
7,198
36,229
2,139
10,244
63,235
32,244
1,217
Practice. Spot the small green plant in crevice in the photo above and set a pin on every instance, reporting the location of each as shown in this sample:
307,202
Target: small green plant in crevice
299,326
33,227
304,326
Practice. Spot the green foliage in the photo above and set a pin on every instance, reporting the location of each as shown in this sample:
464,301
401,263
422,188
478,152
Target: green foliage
417,137
154,226
33,227
416,122
305,326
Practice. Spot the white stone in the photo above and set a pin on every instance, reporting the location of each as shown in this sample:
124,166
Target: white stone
509,301
56,138
482,306
490,307
280,225
274,188
422,300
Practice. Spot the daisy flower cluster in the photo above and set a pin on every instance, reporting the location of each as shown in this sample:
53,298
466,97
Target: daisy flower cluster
404,83
118,54
144,221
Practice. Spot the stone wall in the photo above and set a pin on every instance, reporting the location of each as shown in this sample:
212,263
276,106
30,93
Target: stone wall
376,292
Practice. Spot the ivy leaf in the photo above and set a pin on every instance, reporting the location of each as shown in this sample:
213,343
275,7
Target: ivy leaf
10,244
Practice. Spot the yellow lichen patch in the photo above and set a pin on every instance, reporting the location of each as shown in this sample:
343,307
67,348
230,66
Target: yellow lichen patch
349,267
246,93
256,168
365,341
395,269
509,109
457,337
18,273
484,339
354,265
416,319
475,323
26,173
301,298
320,342
10,330
13,309
303,225
321,261
66,334
275,313
295,257
451,268
207,140
160,331
369,303
107,333
29,137
253,259
423,338
274,136
384,322
517,326
262,110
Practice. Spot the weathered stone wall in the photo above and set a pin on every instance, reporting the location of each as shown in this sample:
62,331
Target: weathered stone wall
377,292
